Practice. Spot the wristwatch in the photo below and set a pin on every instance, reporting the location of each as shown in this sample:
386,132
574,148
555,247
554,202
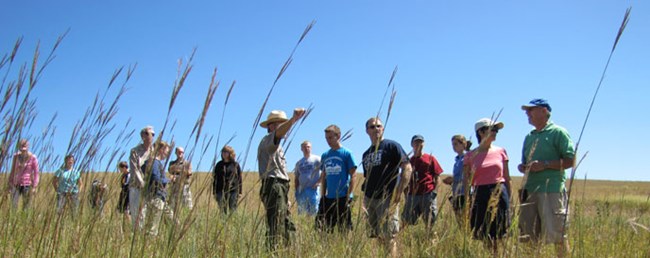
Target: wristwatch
545,164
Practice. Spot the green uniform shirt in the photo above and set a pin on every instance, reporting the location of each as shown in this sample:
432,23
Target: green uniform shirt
551,143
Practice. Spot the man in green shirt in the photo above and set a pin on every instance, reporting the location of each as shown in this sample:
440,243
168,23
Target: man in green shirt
547,152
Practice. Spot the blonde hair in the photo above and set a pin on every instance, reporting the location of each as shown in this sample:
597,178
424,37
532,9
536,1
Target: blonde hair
158,146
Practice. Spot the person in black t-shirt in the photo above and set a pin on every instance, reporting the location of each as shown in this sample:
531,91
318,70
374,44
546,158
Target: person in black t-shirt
227,180
381,164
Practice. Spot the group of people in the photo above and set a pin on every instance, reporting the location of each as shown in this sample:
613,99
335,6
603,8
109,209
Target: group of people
144,197
24,178
324,184
480,183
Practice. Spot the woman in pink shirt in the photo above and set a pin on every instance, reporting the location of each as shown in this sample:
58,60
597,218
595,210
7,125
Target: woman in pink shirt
486,167
23,178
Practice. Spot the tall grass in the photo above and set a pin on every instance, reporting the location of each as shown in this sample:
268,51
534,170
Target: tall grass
619,220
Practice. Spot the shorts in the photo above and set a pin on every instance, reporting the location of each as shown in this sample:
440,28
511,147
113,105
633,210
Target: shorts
544,215
382,224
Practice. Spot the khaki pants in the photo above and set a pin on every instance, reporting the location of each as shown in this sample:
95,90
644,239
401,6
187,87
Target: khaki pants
156,209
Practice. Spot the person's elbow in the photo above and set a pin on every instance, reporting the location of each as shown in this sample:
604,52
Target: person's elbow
568,162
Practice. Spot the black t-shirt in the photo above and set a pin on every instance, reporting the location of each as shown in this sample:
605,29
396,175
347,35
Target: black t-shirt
381,168
227,177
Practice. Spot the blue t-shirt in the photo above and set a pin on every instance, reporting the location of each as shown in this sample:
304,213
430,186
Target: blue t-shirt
157,184
457,185
67,180
336,164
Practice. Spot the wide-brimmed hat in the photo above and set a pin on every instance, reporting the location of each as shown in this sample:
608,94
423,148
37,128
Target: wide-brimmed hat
483,122
274,116
537,103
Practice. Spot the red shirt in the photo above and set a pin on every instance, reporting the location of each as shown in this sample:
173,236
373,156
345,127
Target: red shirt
425,169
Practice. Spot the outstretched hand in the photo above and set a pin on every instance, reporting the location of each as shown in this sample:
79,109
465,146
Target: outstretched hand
298,113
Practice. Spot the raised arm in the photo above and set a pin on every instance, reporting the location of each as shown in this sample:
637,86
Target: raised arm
283,128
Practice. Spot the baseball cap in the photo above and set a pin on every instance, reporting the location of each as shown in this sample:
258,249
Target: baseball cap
537,103
483,122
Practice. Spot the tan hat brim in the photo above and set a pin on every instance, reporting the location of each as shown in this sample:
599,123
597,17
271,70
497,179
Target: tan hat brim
266,123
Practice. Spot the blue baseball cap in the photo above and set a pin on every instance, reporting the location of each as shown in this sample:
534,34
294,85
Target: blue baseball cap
537,103
417,137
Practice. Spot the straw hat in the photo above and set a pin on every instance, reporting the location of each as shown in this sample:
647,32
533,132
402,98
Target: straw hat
274,116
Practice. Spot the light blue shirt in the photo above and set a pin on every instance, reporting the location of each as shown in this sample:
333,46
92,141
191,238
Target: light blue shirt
67,180
307,171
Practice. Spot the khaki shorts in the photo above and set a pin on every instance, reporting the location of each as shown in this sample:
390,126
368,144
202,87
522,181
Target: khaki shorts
543,216
381,223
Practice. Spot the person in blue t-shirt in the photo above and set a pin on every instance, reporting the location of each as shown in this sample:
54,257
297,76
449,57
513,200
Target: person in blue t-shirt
155,189
337,181
460,144
67,182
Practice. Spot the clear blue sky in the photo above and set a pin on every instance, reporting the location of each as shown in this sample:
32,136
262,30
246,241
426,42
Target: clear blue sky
457,62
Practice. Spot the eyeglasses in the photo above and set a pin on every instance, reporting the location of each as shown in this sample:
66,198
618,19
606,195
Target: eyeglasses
374,126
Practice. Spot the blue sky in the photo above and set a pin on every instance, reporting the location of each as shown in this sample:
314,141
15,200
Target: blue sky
457,62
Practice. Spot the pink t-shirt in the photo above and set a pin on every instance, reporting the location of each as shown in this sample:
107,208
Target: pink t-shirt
487,166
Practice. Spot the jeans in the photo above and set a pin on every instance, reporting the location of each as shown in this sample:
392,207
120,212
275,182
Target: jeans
227,201
63,200
307,200
424,205
25,191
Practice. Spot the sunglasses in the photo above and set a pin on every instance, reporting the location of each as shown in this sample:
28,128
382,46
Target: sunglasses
493,129
374,126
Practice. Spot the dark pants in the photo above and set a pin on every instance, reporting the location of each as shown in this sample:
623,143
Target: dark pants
274,194
227,201
490,222
337,212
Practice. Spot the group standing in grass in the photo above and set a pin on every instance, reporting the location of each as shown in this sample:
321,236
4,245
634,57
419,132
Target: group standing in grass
324,185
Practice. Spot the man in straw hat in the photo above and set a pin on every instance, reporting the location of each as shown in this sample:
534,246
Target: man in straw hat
547,152
273,174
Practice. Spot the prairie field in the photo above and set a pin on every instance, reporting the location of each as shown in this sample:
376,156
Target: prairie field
608,219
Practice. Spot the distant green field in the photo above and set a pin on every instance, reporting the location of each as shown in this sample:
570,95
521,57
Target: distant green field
607,220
